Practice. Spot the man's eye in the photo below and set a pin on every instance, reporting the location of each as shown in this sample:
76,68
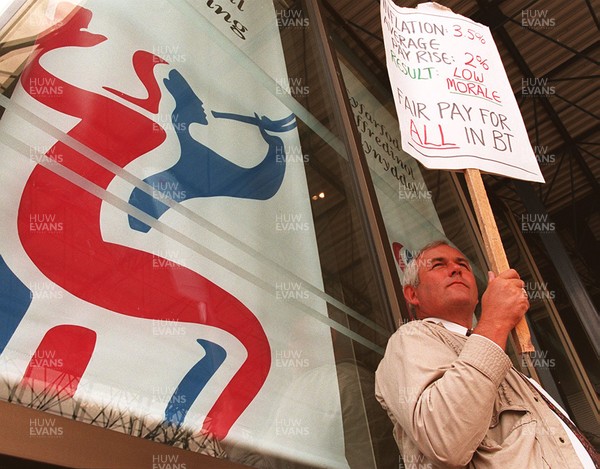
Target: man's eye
436,264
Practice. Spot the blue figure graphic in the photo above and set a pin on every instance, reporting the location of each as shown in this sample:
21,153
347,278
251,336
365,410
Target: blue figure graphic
15,299
200,171
194,381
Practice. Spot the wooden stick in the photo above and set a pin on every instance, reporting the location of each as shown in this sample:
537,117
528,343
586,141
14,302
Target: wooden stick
493,247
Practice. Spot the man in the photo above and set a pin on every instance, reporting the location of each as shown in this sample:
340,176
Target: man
451,393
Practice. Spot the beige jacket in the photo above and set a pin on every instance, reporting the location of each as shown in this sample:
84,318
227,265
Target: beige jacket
455,401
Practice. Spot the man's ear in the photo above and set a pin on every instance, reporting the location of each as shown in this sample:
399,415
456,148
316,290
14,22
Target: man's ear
410,295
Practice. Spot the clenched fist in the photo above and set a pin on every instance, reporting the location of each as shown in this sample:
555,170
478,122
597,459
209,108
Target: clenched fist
503,305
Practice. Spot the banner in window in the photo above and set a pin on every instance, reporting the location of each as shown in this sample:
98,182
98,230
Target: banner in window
155,224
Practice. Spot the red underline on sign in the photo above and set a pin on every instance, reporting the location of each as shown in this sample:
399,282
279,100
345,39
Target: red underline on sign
475,96
436,148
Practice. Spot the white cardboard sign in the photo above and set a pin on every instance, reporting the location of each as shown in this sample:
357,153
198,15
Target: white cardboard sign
455,104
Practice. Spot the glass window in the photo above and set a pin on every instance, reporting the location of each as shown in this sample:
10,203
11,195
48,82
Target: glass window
417,205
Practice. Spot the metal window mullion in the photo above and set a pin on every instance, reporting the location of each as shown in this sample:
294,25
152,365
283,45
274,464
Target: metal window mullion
385,269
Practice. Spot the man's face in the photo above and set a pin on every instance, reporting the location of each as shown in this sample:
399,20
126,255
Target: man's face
447,286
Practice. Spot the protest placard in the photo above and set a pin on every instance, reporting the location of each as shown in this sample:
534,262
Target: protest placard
457,110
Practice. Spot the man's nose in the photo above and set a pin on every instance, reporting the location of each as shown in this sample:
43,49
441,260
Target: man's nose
454,269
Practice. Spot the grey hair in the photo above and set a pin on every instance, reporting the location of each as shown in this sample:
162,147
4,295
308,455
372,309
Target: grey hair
411,271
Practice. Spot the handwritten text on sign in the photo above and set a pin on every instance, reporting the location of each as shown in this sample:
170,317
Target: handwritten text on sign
454,102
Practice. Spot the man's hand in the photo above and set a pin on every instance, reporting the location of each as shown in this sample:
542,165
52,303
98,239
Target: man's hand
503,305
